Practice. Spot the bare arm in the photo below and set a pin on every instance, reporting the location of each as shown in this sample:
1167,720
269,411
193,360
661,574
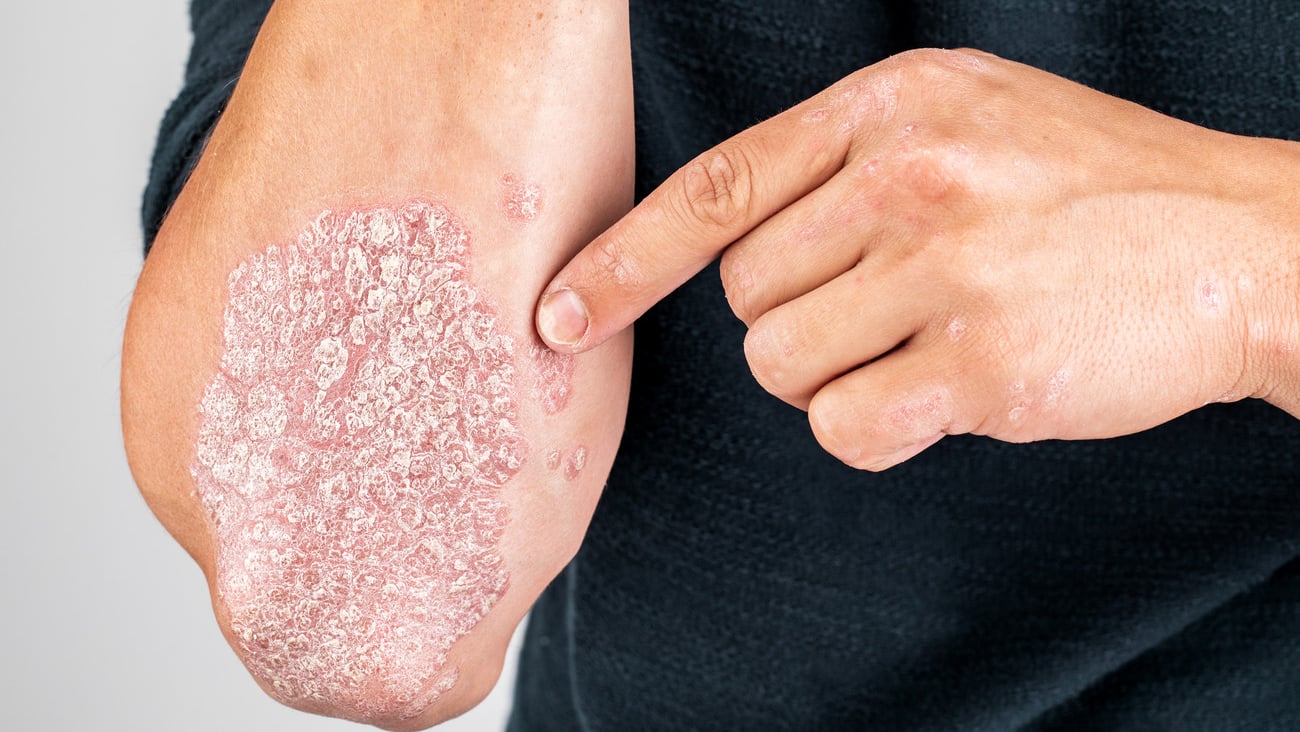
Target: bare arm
332,394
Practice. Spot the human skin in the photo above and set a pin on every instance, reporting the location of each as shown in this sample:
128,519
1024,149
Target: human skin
948,242
512,121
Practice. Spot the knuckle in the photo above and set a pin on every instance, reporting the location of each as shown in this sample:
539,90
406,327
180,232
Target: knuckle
717,187
769,349
738,284
833,429
760,353
925,412
936,171
972,56
939,64
866,98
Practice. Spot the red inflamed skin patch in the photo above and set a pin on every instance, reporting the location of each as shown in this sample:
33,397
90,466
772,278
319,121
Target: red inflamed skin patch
552,378
351,454
521,200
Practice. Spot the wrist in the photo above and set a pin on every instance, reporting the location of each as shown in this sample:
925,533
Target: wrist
1272,327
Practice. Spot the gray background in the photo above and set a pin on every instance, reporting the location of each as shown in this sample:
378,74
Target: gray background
104,622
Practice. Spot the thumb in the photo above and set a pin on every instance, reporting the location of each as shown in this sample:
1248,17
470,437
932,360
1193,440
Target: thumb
678,229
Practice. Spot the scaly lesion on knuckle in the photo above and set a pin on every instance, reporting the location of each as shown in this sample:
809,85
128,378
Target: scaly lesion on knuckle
942,64
718,187
862,103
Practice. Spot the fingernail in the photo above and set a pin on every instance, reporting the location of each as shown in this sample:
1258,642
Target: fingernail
563,318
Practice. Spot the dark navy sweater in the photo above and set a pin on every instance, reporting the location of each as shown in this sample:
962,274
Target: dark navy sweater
736,577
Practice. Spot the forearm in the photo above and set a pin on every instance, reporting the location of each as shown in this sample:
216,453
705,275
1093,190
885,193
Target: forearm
403,98
388,154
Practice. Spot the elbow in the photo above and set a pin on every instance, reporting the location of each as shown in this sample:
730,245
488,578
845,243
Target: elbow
358,663
386,615
338,605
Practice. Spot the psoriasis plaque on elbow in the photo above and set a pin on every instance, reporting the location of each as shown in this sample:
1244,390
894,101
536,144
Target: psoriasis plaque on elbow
351,454
552,376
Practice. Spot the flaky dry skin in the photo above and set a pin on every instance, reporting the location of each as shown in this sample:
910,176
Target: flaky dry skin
351,454
552,377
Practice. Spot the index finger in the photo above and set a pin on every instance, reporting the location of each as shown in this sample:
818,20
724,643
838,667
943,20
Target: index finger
686,222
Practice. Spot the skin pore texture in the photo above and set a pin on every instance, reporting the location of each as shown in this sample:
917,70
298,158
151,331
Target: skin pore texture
351,456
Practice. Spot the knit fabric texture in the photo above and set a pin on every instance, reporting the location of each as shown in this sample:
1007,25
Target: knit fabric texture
736,577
